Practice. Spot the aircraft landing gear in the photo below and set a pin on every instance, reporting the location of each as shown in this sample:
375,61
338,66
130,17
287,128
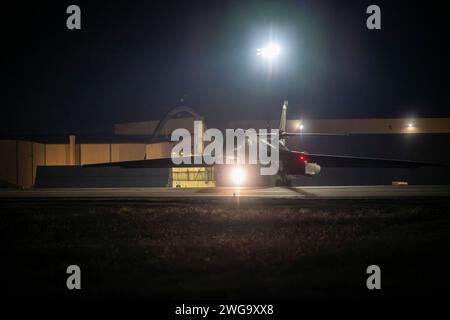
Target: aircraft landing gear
284,182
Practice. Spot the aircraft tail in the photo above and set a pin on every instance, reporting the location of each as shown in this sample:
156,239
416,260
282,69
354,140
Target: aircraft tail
283,117
282,128
284,134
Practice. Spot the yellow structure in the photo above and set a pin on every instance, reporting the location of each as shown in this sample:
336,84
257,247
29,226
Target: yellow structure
193,177
198,177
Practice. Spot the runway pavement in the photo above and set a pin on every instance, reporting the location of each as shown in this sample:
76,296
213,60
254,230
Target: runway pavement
330,192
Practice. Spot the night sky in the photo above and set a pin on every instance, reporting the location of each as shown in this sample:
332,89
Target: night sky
134,60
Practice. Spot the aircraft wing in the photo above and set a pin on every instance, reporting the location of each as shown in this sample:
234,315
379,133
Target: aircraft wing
153,163
300,134
322,159
361,162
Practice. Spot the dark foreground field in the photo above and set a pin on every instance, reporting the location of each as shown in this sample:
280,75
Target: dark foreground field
285,250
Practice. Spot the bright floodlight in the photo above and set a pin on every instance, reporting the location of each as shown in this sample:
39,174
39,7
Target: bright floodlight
270,51
301,126
238,176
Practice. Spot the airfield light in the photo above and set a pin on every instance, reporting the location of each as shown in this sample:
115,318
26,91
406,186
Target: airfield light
301,126
270,51
238,176
410,126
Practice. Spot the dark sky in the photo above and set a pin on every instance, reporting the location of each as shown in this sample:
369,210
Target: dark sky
134,60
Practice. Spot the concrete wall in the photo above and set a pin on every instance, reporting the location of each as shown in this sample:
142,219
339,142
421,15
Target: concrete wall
100,153
95,153
159,150
17,162
126,152
8,161
56,154
19,159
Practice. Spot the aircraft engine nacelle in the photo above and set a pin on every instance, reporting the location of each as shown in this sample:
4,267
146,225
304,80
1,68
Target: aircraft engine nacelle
300,166
311,169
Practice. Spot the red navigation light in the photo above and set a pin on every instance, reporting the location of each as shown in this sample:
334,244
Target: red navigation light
301,157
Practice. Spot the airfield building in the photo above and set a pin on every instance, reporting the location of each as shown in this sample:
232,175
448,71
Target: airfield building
55,161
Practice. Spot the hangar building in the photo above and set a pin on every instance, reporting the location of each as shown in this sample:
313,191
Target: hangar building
55,161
